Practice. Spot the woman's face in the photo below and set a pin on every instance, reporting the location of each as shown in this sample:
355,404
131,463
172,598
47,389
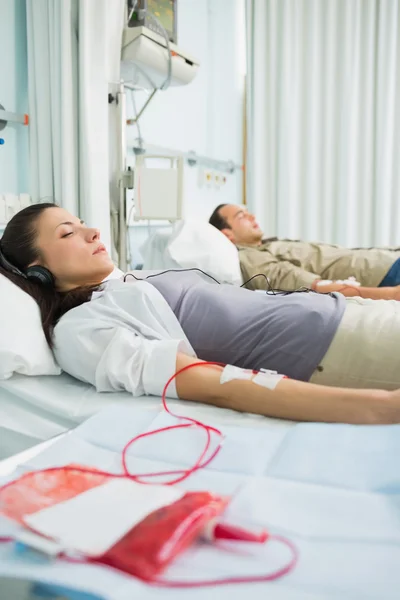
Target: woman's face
72,251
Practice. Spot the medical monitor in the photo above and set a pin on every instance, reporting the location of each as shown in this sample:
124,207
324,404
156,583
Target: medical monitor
152,13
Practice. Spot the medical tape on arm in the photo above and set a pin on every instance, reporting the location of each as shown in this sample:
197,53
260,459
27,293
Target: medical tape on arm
264,377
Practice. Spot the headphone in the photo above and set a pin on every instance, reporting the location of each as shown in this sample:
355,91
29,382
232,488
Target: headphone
36,273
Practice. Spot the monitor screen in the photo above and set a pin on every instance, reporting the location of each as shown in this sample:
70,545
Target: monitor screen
164,11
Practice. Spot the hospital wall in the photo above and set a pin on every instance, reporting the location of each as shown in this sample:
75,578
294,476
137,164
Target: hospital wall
14,160
207,115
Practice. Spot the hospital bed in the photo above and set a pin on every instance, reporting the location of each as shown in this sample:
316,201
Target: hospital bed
334,490
40,407
34,409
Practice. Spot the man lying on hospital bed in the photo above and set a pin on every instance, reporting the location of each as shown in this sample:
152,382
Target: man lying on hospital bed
118,333
292,264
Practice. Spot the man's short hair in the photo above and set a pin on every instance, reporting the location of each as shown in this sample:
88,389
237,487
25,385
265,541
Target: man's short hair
217,220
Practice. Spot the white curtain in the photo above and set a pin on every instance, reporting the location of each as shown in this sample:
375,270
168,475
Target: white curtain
324,119
74,51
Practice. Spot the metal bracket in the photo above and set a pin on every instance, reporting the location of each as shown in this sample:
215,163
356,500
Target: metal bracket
3,124
192,159
145,105
6,116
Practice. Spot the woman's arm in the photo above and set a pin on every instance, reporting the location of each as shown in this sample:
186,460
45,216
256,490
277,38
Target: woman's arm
294,400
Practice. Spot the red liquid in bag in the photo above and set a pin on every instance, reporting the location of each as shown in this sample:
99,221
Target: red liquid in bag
149,547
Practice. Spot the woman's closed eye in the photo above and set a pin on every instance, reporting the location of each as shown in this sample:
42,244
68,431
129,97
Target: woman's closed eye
67,234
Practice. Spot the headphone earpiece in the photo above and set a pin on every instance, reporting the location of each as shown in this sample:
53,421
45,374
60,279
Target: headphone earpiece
40,275
35,273
9,267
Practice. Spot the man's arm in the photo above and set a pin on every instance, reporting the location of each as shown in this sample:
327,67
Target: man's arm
294,400
282,274
383,293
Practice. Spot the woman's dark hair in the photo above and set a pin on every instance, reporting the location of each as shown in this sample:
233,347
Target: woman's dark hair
18,245
217,220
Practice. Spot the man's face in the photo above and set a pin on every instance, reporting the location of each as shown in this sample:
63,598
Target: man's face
243,227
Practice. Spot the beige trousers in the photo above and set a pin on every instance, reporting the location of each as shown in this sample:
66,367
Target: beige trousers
364,351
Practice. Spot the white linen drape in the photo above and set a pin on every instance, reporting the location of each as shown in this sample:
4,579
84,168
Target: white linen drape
73,54
324,119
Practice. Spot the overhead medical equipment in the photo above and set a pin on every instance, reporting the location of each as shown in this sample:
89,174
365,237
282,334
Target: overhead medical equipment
159,191
191,158
6,116
11,117
150,60
149,47
157,15
147,57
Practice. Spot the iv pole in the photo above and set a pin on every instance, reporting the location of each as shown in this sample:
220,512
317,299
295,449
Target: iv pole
121,106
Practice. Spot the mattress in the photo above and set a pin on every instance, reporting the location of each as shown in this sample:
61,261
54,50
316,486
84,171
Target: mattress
34,409
334,490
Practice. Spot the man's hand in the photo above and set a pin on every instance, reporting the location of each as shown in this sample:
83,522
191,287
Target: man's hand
395,291
383,293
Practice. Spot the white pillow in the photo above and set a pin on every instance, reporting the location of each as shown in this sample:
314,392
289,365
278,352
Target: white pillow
201,245
23,346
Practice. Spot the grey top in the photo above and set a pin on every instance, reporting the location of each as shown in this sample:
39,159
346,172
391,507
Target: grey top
223,323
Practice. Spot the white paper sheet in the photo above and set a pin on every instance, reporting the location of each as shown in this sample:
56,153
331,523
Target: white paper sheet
95,520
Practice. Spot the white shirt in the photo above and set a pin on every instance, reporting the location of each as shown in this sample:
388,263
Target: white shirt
125,338
115,274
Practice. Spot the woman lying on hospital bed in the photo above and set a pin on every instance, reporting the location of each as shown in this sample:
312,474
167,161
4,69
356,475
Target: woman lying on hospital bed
134,335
